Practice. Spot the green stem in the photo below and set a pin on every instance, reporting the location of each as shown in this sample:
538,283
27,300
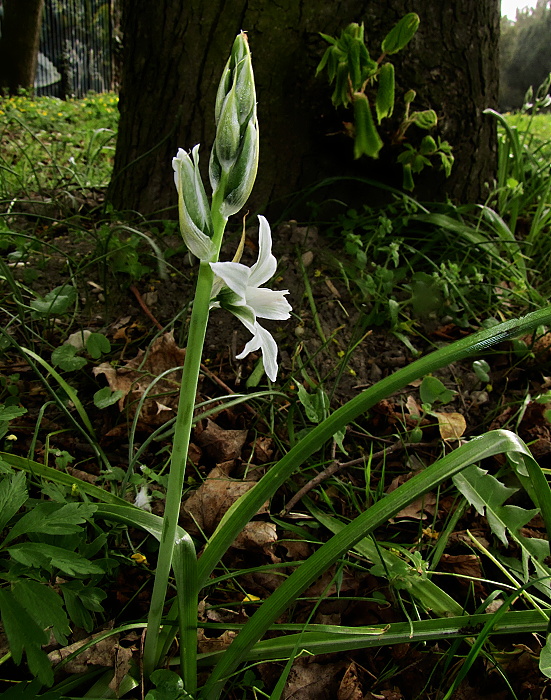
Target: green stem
190,375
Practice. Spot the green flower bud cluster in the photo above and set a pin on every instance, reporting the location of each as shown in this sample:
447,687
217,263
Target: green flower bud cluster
233,161
234,157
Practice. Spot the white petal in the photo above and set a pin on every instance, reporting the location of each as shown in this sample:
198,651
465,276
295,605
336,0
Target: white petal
252,346
246,315
265,267
264,341
198,243
268,303
235,275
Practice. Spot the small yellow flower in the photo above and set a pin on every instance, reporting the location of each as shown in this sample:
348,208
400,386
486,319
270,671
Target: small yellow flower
11,437
139,558
250,598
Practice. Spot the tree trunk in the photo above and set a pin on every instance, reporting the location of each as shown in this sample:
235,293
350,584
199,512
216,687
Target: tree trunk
175,52
19,43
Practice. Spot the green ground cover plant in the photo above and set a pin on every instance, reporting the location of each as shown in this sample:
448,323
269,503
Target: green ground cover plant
67,538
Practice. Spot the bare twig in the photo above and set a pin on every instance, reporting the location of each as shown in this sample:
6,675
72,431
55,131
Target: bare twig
335,467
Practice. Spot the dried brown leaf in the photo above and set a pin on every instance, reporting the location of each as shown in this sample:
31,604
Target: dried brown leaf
220,444
208,644
350,687
212,499
312,681
135,378
451,425
258,535
103,653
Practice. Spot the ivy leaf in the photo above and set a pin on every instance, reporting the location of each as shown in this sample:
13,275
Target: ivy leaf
24,634
97,344
65,357
169,686
47,556
56,302
107,397
8,413
432,390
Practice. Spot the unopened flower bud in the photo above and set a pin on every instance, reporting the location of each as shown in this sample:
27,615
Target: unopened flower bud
234,157
193,207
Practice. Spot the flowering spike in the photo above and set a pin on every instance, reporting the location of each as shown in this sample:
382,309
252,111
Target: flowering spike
234,156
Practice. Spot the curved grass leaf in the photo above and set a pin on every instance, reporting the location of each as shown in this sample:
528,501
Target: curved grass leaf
494,442
244,509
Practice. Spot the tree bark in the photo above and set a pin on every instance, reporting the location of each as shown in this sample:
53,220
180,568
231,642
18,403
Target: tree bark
174,54
19,43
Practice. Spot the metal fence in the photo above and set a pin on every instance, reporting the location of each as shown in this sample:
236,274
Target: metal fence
78,47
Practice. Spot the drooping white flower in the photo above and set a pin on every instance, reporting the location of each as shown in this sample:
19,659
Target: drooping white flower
238,289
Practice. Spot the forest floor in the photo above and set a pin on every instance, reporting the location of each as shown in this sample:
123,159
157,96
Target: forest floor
328,344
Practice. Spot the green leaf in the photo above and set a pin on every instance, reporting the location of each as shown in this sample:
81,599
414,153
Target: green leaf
384,103
25,635
425,120
44,605
80,600
545,658
56,302
13,493
169,686
486,494
482,370
52,519
107,397
366,137
47,556
432,390
97,344
8,413
65,356
401,34
315,405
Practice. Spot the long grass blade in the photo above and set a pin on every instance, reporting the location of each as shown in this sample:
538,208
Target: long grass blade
494,442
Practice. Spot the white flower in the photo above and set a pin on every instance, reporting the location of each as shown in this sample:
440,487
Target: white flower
143,498
246,299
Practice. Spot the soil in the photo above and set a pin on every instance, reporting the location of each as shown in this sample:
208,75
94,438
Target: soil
129,312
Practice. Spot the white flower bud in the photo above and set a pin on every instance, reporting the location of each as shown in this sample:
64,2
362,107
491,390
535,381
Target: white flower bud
193,208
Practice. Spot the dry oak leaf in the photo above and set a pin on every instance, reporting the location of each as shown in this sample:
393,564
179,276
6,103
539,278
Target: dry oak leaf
312,681
212,499
209,644
220,444
260,536
350,687
135,378
417,509
102,653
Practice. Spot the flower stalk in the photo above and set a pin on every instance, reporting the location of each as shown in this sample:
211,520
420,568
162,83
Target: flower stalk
232,171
